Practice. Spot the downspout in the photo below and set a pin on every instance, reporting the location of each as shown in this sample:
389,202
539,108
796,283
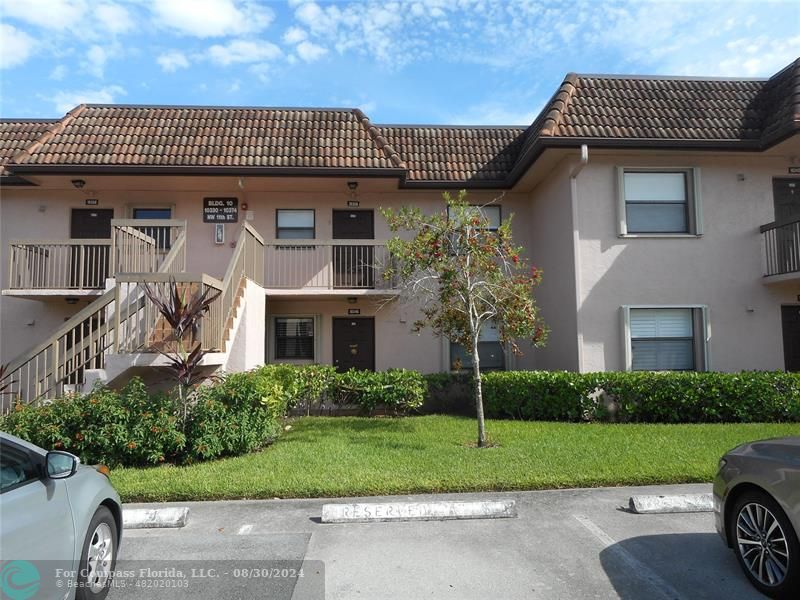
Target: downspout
576,259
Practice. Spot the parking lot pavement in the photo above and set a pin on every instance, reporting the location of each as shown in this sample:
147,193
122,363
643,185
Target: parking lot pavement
564,544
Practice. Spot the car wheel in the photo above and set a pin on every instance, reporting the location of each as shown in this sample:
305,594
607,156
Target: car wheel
766,545
98,557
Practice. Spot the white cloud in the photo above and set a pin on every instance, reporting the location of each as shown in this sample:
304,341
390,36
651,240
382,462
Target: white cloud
96,58
15,46
172,61
261,71
114,18
243,51
213,18
58,73
294,35
50,14
67,100
310,52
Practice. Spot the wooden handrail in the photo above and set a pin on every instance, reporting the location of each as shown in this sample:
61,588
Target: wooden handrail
73,322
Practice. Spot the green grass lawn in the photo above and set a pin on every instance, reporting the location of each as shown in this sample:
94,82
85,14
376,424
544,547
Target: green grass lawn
343,456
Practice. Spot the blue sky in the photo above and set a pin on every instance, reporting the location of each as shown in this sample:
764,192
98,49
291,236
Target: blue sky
415,61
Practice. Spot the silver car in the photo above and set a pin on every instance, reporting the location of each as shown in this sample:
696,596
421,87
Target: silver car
757,512
55,513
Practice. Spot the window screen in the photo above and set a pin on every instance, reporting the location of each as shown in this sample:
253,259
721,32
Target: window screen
662,339
490,351
656,202
294,338
295,224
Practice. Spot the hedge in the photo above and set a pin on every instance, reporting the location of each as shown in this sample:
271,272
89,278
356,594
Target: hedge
643,397
235,414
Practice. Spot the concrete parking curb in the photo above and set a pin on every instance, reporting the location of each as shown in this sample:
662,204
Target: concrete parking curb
154,518
417,511
679,503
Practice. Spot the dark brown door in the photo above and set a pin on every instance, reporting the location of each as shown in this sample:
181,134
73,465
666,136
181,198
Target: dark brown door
786,196
354,343
353,264
353,225
790,317
89,264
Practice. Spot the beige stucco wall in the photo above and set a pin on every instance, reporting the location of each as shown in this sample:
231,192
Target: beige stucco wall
721,269
551,249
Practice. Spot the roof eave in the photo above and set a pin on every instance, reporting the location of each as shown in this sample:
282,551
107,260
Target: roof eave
57,169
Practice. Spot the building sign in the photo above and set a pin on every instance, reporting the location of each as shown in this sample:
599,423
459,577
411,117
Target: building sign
91,202
220,210
794,170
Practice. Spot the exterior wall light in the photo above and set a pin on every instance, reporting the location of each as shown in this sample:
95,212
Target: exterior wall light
78,183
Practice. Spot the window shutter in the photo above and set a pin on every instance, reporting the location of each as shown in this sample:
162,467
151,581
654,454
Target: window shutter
697,201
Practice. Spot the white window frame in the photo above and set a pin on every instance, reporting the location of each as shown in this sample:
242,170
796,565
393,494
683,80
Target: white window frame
313,227
272,334
694,203
705,330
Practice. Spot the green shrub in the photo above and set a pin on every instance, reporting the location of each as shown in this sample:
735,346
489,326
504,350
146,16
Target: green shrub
288,385
643,397
399,390
125,427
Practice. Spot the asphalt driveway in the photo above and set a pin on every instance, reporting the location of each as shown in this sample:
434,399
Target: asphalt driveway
564,544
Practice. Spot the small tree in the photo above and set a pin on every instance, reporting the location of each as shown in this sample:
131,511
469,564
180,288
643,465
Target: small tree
464,275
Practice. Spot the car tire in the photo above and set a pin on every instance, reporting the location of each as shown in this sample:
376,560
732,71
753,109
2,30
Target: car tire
98,556
757,526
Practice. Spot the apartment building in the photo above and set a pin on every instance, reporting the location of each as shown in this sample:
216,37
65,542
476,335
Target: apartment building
664,211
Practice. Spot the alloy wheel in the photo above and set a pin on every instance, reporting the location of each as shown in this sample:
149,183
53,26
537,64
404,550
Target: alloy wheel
762,544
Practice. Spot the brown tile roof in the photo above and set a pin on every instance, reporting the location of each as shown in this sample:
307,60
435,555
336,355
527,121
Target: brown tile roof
16,134
211,137
604,110
435,153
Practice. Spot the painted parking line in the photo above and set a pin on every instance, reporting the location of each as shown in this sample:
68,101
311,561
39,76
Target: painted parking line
660,588
245,529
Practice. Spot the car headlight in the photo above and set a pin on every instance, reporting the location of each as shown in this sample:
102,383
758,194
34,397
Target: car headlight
722,462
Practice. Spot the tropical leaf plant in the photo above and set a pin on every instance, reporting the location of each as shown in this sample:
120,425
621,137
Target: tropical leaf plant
182,314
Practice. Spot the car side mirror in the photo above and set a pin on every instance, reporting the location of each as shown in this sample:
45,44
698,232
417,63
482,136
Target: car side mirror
60,465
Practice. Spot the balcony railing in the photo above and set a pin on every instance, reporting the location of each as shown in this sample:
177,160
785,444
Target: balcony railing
58,264
781,248
326,265
135,246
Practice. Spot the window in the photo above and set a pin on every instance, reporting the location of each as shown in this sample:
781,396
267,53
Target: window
491,213
295,224
294,338
16,467
659,202
162,234
152,213
665,339
490,351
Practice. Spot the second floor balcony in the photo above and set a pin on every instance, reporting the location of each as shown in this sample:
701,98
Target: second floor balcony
81,267
324,267
74,267
781,251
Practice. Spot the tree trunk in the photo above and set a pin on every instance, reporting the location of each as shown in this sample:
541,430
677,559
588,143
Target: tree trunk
476,374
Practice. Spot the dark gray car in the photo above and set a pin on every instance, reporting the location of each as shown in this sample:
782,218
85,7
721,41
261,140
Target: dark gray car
757,512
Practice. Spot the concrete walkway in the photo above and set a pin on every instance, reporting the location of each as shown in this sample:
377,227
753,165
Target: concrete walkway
564,544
